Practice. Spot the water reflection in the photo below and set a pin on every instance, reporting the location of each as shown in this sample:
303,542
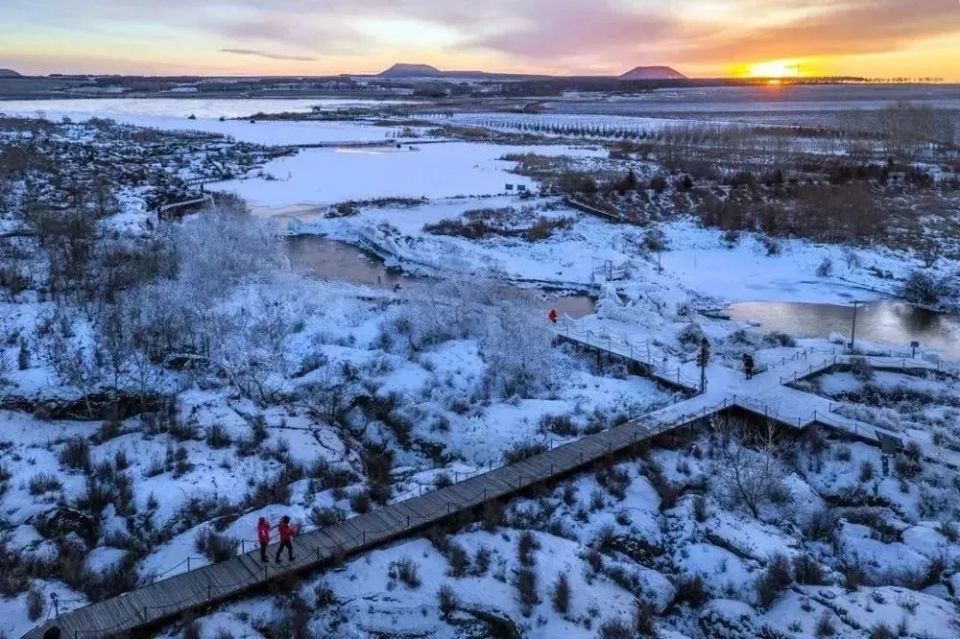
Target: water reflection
881,321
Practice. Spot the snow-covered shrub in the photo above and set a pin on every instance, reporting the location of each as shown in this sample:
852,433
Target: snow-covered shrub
526,545
854,575
413,327
700,513
691,589
219,248
324,596
922,288
43,483
616,629
76,454
360,501
808,571
447,600
217,437
881,630
731,237
558,425
777,338
774,580
35,604
861,369
690,336
906,467
492,515
771,245
23,357
326,516
522,450
525,582
825,268
458,559
378,467
615,479
667,491
560,594
215,546
406,571
519,354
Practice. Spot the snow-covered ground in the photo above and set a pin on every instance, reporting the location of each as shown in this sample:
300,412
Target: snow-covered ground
696,259
320,399
317,177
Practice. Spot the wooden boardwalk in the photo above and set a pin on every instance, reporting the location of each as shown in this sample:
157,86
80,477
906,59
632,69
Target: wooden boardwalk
766,396
659,364
199,588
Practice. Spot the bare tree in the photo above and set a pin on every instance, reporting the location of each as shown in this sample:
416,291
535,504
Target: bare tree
750,471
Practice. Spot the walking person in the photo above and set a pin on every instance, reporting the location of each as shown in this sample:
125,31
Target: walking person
748,365
286,537
263,536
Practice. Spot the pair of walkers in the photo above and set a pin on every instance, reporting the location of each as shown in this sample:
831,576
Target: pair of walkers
286,531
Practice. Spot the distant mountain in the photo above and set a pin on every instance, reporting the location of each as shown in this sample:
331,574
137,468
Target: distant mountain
9,73
402,70
653,73
426,72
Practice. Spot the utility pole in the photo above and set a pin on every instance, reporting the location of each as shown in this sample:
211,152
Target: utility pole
703,357
853,329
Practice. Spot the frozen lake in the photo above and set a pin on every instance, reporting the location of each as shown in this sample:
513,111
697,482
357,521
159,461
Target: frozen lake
317,177
173,115
884,321
208,108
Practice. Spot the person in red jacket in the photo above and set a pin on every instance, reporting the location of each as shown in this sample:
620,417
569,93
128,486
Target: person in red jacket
263,536
286,537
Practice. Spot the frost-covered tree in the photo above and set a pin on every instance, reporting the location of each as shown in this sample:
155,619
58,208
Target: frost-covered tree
751,473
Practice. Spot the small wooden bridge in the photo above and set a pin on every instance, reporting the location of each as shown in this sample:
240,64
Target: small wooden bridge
766,396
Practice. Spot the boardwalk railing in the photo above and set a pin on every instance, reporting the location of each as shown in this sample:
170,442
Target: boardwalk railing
654,358
873,361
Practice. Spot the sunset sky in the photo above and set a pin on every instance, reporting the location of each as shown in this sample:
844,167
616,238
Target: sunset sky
878,38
